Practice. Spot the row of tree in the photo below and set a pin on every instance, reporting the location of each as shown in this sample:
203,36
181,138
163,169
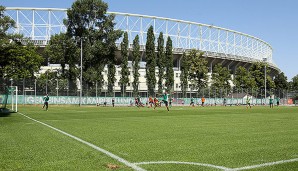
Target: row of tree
91,30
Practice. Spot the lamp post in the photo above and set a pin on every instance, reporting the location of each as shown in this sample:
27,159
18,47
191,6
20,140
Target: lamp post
265,60
57,88
81,77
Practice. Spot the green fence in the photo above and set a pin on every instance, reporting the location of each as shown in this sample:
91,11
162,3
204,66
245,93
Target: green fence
75,100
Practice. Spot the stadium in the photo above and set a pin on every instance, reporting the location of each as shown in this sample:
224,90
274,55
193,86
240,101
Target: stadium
220,45
92,137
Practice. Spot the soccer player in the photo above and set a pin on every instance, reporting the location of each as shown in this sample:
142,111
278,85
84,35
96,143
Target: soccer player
171,100
225,102
248,98
46,102
271,102
192,103
277,101
166,99
113,102
150,101
203,101
156,103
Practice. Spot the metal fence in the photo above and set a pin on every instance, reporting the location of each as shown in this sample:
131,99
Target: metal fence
31,91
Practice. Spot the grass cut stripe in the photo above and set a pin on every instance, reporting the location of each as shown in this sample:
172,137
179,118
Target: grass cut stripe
127,163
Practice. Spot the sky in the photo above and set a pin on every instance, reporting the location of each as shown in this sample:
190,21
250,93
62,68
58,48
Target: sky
274,21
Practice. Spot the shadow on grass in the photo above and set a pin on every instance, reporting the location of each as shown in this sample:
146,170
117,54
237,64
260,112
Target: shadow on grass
4,112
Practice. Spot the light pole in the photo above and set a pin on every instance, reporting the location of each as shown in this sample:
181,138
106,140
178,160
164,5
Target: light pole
81,76
35,92
265,60
57,88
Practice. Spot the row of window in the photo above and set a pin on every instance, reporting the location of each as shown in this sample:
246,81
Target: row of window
119,73
130,84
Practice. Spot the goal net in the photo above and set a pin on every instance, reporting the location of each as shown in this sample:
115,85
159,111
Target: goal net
9,100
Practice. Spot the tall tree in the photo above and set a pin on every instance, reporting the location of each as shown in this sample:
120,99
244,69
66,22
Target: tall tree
257,71
160,61
221,78
150,61
136,58
243,79
184,74
87,20
281,82
63,50
111,78
5,23
294,84
169,65
197,69
21,62
124,65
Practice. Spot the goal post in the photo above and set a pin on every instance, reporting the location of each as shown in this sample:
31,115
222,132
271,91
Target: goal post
9,101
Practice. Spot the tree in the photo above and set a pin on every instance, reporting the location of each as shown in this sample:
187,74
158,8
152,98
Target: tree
150,61
221,78
257,71
124,65
184,73
21,62
5,24
160,61
281,84
293,86
88,21
295,83
63,50
169,65
111,78
197,69
243,79
17,61
136,57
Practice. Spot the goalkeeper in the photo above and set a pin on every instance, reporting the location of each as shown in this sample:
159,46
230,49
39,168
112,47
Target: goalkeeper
46,102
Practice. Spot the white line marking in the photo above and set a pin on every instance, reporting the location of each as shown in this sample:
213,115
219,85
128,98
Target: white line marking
134,165
127,163
189,163
264,164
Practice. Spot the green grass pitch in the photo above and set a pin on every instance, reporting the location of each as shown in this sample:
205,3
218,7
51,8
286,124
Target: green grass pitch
228,137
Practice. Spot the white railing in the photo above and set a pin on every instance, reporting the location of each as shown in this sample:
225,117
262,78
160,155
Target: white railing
38,24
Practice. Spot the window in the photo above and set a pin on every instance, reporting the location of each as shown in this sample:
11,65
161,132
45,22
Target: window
177,86
177,75
119,72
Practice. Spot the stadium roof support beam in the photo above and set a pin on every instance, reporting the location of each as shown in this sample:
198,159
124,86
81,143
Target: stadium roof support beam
38,24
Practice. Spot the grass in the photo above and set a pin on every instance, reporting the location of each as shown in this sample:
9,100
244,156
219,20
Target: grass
232,137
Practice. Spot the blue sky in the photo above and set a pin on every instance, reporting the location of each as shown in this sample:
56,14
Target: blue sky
274,21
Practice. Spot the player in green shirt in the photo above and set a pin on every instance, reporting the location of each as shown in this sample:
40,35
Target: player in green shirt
192,103
166,99
271,102
277,101
46,102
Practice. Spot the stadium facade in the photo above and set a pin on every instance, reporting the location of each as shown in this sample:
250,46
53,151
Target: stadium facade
220,45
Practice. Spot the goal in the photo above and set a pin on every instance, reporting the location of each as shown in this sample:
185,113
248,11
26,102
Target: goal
9,100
